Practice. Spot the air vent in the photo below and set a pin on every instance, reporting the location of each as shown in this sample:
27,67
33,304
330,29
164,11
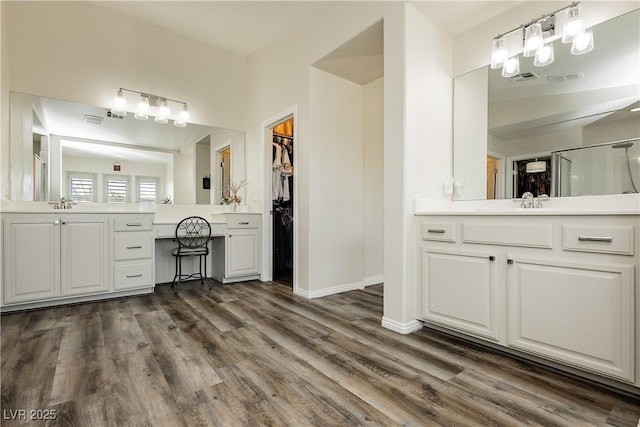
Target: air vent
94,120
523,77
114,115
562,78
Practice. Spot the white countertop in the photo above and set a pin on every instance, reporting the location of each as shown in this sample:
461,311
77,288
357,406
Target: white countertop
617,204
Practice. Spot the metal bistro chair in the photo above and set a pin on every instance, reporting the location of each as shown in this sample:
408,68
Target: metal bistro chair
193,235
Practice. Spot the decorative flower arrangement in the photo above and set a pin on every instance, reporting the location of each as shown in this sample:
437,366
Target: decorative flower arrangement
230,193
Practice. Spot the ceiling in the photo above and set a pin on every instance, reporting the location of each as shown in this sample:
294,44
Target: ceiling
244,27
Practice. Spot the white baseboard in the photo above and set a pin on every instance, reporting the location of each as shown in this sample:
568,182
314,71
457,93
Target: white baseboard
401,328
373,280
330,291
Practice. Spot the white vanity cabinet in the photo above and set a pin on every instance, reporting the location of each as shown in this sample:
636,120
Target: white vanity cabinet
53,255
237,256
54,258
559,287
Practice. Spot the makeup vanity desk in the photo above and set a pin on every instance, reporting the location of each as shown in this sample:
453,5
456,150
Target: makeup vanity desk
234,248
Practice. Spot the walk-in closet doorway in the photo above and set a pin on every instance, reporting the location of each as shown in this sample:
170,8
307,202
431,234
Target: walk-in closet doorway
280,200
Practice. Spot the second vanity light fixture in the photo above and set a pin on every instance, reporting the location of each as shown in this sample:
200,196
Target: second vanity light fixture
537,40
145,102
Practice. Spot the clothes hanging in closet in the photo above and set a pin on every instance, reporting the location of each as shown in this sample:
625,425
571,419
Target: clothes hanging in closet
282,169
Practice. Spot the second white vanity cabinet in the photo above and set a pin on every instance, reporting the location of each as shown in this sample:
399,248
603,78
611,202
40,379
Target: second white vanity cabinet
237,256
54,255
559,287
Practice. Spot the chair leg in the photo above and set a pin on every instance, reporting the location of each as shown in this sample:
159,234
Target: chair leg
205,273
200,270
179,275
173,282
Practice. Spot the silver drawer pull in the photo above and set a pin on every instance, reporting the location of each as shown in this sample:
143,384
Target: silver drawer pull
243,223
134,247
436,230
134,224
595,239
129,276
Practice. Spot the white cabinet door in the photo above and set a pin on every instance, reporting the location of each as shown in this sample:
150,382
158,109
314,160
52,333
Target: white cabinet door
575,313
84,258
31,259
459,291
242,252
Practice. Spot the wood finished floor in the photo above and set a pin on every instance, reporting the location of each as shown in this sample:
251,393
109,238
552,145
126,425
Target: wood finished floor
254,354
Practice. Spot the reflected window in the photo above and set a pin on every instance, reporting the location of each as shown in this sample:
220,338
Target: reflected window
117,188
148,189
81,187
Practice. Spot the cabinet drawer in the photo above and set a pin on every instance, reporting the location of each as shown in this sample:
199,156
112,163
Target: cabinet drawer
126,276
523,234
443,232
609,240
242,221
132,224
132,246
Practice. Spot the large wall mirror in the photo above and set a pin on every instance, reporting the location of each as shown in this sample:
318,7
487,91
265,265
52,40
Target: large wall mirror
90,154
566,129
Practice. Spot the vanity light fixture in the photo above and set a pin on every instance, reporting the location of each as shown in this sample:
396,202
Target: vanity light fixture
151,105
634,110
537,40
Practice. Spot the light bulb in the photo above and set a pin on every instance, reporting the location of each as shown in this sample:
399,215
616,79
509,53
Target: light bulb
185,116
164,112
143,108
511,67
574,26
582,43
499,53
544,55
120,103
532,39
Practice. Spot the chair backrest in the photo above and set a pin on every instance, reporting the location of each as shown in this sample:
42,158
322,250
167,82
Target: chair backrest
193,232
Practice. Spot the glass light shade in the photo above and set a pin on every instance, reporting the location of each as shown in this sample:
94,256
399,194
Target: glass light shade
184,115
120,103
536,167
179,124
499,53
143,109
544,54
532,39
582,43
164,112
574,26
511,67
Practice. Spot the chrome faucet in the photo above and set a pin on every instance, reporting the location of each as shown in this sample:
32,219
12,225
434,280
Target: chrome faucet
62,204
527,200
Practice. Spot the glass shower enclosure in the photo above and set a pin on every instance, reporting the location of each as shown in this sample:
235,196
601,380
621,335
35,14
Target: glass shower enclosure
609,168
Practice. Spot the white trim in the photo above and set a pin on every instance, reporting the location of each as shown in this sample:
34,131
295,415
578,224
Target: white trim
329,291
267,226
373,280
401,328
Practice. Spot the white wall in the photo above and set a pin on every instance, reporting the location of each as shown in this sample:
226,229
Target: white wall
336,182
4,104
280,79
373,185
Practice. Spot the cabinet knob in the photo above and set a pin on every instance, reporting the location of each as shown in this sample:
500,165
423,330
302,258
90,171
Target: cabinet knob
56,222
509,261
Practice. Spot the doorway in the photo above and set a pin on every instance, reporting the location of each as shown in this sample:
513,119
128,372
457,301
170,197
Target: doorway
282,201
